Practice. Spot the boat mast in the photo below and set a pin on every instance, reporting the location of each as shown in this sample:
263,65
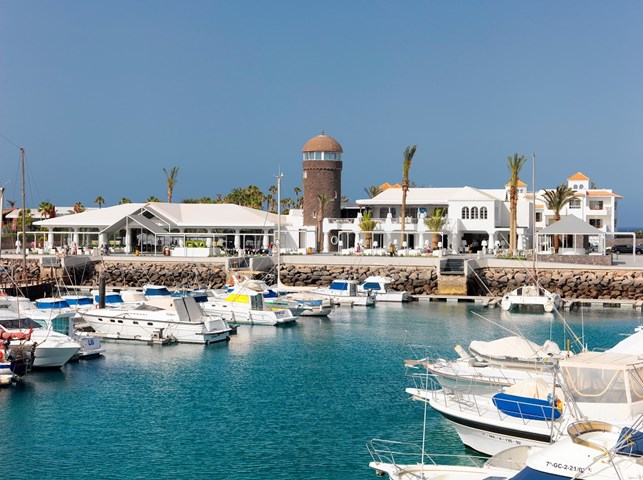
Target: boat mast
533,220
24,219
278,239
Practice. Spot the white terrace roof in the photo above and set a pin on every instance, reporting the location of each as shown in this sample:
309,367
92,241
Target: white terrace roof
570,225
433,196
175,215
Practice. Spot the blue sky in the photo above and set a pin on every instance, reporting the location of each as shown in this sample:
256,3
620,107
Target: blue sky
103,95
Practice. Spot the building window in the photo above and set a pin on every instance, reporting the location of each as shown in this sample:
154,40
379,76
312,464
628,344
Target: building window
596,222
465,212
596,204
539,217
483,213
575,187
318,156
580,187
574,203
474,212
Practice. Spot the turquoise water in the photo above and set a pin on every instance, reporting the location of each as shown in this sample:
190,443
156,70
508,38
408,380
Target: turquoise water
275,403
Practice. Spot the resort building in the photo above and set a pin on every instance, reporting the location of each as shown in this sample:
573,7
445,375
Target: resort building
474,217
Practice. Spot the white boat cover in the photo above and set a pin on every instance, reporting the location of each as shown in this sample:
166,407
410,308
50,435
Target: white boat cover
632,345
514,347
532,388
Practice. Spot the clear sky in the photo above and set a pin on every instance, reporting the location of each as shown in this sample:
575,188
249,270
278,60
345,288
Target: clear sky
103,95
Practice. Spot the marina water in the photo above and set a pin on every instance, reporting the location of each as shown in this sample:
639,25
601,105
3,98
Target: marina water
275,403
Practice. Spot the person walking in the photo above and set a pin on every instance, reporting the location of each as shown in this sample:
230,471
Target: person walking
391,250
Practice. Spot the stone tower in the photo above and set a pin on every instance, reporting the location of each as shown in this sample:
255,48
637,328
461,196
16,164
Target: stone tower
322,164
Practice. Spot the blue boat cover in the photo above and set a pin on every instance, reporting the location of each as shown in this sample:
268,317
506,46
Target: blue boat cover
531,474
525,407
632,442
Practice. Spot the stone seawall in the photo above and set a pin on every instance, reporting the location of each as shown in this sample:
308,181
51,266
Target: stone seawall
590,284
569,283
417,281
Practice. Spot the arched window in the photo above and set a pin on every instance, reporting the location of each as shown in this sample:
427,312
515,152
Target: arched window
575,187
465,212
483,213
474,212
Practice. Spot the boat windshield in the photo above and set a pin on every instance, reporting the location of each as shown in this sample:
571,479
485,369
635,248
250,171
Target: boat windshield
18,323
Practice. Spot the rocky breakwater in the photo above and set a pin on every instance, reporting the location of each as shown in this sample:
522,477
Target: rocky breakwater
12,270
590,284
416,281
172,275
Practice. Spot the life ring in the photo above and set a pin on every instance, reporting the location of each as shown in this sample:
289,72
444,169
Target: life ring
334,240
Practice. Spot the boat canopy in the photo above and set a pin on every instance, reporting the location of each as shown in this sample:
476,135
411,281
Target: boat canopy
632,345
602,378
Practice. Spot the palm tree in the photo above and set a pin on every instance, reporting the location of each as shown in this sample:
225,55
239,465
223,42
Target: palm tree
152,198
299,200
79,207
406,166
514,164
435,223
99,201
47,210
171,181
12,203
367,225
271,198
372,191
323,200
556,200
124,200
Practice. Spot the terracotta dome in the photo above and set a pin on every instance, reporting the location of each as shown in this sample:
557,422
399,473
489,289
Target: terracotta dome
322,143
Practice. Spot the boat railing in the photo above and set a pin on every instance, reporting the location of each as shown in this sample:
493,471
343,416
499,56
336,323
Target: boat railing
405,453
577,429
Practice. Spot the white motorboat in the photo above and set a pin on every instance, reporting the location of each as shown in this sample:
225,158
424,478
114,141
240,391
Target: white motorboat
246,306
602,385
183,322
52,350
591,450
531,296
522,414
300,304
62,317
344,292
381,287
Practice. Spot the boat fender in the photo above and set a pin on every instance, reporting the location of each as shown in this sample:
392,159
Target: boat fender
6,336
559,405
1,356
334,239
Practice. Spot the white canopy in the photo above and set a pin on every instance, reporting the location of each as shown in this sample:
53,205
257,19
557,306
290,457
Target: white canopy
514,347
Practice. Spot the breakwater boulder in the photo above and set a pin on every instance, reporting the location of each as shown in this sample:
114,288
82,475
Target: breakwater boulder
11,270
417,281
172,275
591,284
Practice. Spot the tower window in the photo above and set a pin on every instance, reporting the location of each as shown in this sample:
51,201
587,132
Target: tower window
465,212
318,156
483,213
474,212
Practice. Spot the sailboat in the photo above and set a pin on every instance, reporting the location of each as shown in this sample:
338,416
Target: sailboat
532,295
24,286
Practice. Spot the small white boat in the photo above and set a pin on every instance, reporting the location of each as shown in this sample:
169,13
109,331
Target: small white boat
381,287
531,296
52,350
344,292
246,306
184,322
591,450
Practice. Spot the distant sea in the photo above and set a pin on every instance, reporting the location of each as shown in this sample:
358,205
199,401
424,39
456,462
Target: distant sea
294,403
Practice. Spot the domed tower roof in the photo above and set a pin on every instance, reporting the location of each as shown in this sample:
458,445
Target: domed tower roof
322,143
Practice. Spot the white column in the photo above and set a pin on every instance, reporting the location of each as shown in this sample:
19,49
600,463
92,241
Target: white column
237,239
50,238
76,237
265,243
128,238
326,243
